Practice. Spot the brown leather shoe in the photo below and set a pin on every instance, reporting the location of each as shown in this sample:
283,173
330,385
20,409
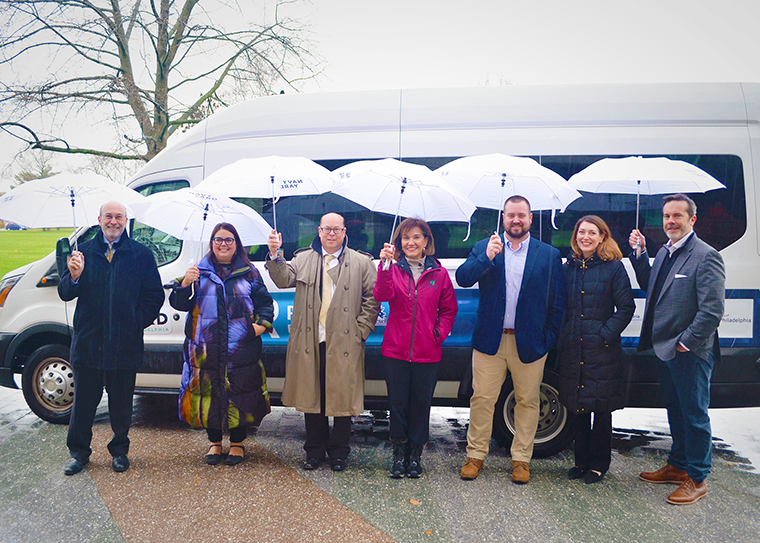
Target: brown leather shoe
688,492
520,472
471,468
666,474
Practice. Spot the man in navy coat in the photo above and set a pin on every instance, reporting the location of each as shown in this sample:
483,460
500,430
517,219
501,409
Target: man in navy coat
119,293
685,300
522,301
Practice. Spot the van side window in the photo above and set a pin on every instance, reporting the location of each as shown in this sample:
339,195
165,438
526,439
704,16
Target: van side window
163,186
165,248
721,214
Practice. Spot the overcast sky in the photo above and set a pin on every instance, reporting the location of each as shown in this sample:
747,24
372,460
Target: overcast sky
447,43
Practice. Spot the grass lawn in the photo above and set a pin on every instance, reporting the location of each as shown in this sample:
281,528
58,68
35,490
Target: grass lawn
19,247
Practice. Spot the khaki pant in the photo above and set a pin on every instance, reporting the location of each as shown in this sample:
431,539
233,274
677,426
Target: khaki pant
488,375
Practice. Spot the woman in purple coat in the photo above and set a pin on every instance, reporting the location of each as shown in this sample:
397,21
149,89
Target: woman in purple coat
422,311
223,380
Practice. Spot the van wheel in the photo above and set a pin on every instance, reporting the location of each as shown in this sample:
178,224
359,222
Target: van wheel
554,431
48,383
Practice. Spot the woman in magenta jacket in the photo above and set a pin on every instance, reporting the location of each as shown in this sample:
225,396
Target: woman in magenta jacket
422,311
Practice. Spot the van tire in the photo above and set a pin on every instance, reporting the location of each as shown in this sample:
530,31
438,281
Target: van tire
555,431
48,383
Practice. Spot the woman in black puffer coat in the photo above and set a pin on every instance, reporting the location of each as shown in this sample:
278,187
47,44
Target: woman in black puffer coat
592,377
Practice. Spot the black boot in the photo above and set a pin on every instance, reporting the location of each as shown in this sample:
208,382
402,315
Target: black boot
414,466
398,468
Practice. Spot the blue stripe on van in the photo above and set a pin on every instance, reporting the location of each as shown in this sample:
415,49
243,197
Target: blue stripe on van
468,305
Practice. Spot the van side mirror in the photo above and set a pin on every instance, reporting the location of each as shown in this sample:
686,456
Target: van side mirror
62,252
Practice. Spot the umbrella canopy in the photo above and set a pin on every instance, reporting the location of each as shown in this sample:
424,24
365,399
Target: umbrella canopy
191,214
489,180
63,200
269,177
637,175
402,189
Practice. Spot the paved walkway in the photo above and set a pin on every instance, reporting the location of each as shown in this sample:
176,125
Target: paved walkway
170,495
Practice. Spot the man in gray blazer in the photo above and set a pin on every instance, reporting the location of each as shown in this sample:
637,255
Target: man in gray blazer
685,297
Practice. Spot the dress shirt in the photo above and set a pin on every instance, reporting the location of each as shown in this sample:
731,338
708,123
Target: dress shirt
334,262
514,266
672,248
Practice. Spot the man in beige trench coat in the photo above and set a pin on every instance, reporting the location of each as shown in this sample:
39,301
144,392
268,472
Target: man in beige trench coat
333,314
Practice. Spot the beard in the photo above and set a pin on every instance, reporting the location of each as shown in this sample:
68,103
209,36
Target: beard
518,231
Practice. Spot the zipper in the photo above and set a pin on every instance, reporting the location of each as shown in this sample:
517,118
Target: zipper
414,317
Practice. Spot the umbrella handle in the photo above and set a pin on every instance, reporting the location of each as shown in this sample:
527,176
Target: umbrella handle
74,215
638,237
274,207
498,217
387,262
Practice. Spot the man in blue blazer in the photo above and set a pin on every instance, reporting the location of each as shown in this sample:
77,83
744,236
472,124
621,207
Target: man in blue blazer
685,297
522,301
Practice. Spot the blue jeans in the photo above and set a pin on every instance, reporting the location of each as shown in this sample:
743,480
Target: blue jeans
685,383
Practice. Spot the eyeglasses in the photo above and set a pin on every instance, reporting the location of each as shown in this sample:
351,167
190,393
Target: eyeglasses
328,230
225,241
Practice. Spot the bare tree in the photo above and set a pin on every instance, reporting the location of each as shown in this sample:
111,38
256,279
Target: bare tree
150,66
34,166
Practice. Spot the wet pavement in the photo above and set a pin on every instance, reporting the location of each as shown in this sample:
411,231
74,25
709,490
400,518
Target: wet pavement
169,494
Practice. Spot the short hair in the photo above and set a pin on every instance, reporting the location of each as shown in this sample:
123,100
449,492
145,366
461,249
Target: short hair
517,199
404,227
608,248
691,207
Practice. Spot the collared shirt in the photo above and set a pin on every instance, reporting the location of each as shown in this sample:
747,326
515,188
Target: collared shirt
105,240
673,247
334,262
514,266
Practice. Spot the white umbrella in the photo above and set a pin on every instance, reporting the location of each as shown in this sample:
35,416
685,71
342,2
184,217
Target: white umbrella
638,175
490,179
269,177
63,200
191,214
400,188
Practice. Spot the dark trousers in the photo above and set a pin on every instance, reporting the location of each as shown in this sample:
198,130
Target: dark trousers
88,391
320,440
410,392
686,391
593,445
237,434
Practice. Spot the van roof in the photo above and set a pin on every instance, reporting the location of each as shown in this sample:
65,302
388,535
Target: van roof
395,112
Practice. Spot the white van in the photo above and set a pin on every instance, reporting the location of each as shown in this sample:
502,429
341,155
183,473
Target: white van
566,128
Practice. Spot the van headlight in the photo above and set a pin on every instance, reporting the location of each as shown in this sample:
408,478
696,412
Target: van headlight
6,285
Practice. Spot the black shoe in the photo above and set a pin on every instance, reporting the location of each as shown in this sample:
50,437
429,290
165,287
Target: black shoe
593,477
576,473
311,463
120,463
398,466
74,466
414,466
233,460
338,464
213,459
